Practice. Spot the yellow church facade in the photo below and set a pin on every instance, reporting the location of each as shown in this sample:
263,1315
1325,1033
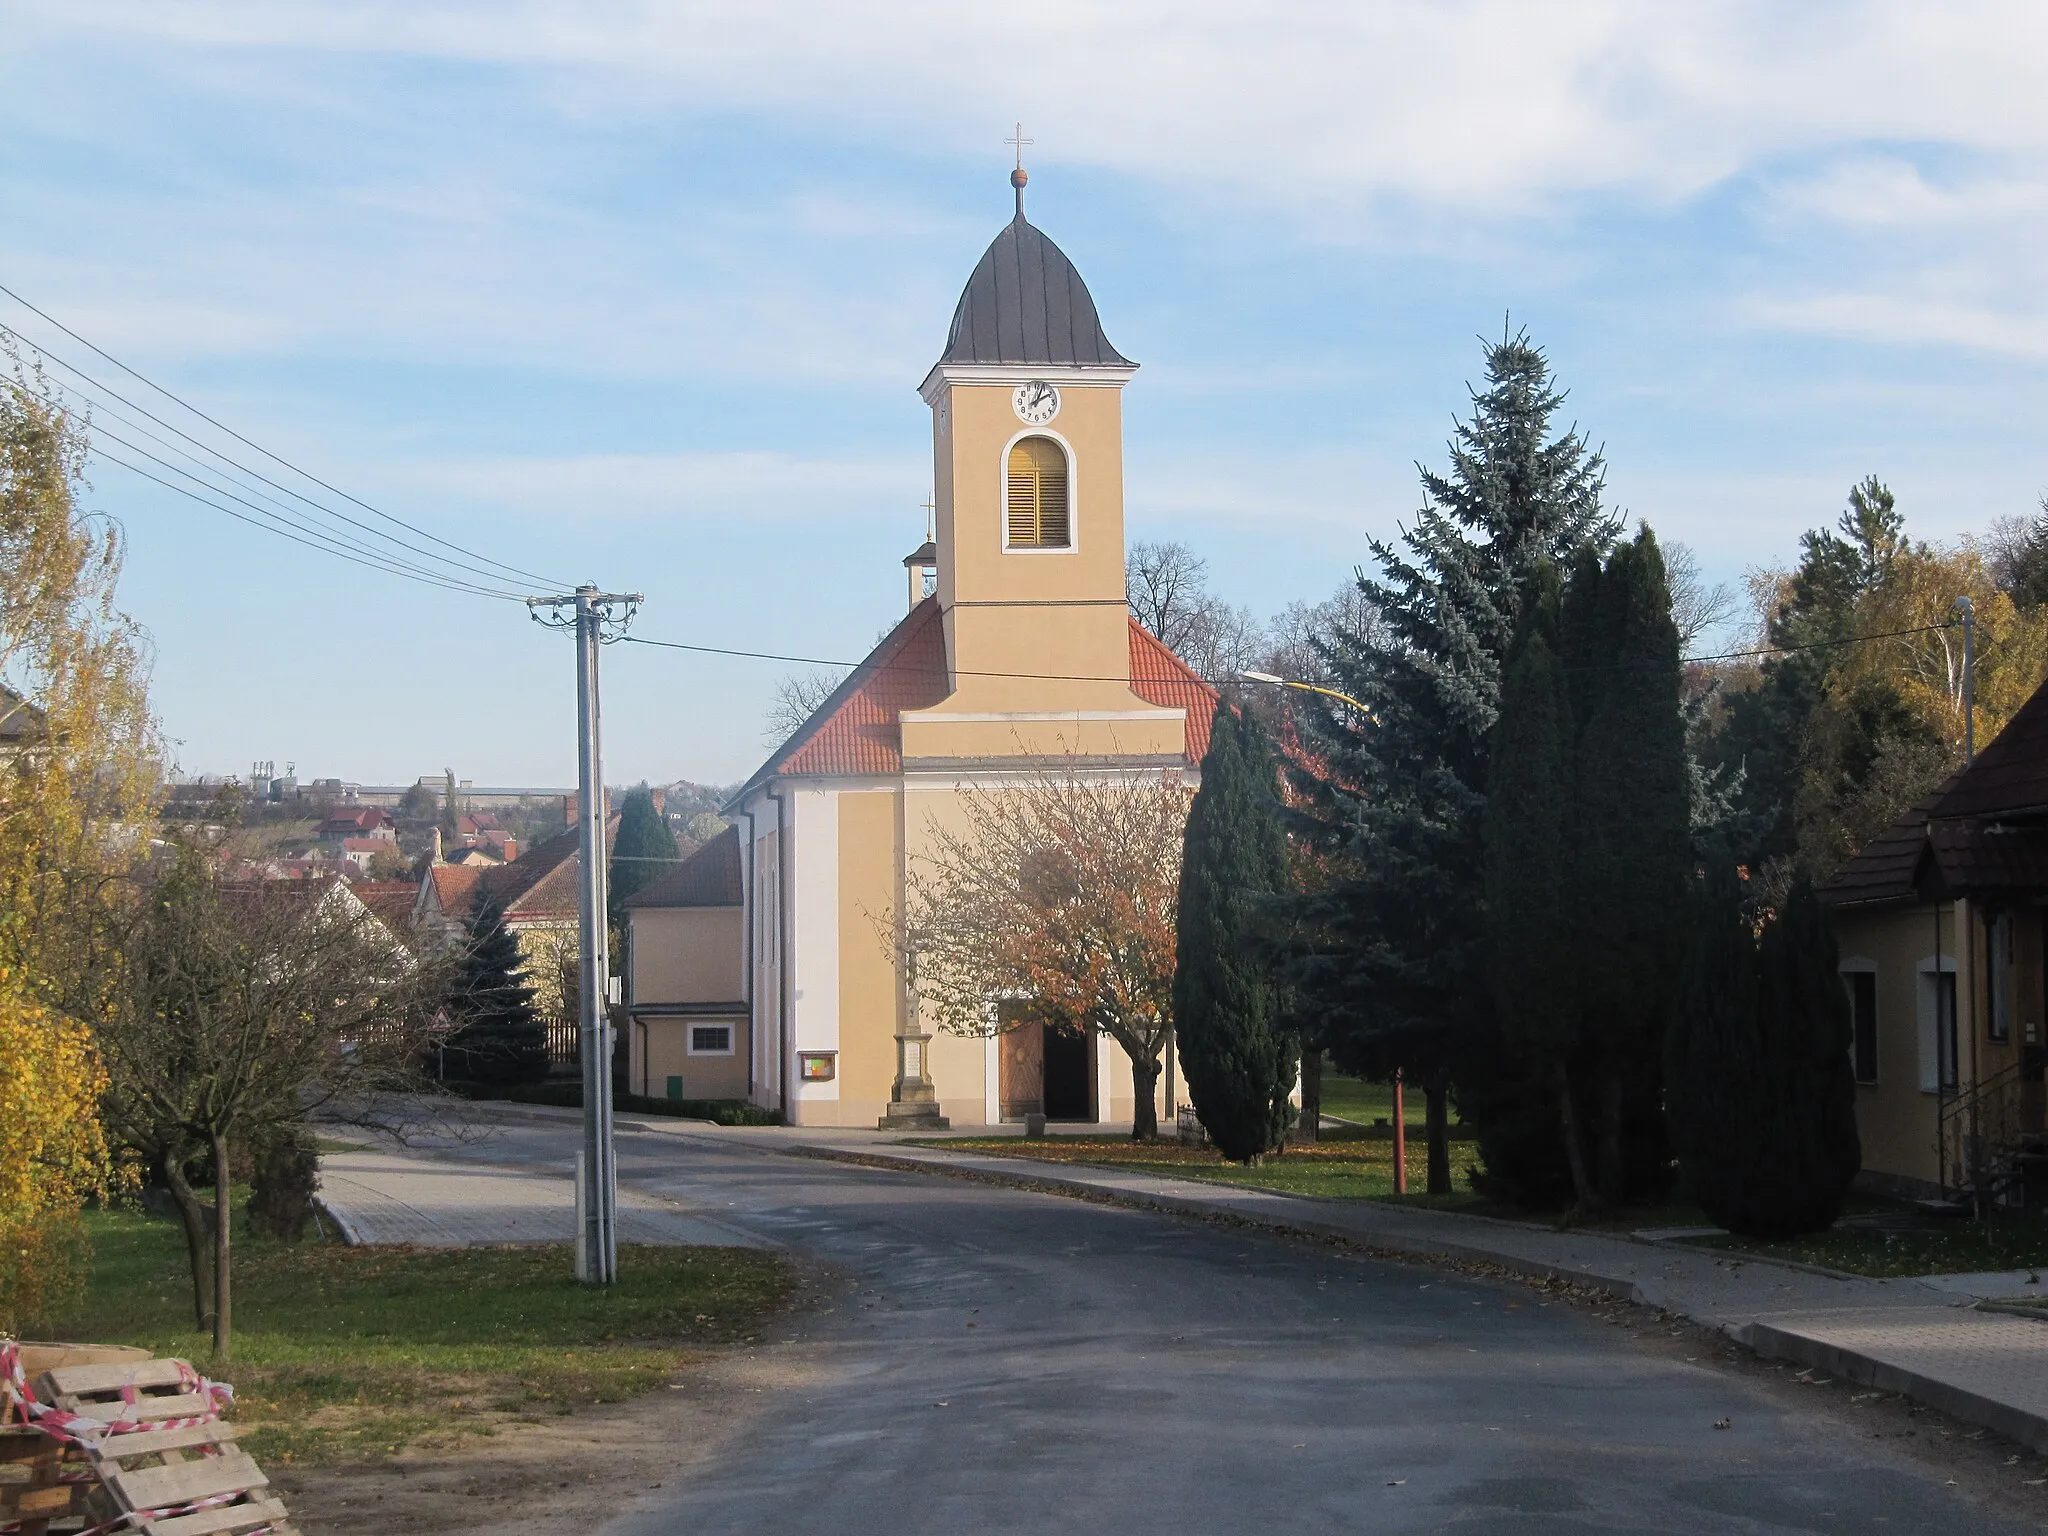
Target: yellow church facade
1017,649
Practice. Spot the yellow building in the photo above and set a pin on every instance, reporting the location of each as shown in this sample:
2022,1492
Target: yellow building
1944,953
1017,646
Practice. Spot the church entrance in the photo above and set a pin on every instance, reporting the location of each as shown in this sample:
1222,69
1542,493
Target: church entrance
1043,1069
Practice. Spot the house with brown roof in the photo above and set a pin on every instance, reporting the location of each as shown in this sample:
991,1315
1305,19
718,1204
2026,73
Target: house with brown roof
1942,926
539,895
1019,652
687,1020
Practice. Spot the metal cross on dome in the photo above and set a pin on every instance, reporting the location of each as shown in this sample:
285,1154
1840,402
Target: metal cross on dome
1017,139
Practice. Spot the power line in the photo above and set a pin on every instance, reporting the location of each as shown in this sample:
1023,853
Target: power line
232,463
1077,677
305,474
375,565
334,543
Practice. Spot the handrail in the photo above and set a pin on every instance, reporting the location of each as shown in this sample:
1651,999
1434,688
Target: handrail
1975,1150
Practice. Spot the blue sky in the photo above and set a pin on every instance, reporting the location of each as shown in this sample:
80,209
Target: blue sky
642,293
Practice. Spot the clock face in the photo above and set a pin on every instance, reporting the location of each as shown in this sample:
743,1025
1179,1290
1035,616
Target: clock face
1035,403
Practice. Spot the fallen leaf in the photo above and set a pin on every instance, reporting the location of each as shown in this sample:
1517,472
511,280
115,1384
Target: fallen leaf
1396,1482
1724,1423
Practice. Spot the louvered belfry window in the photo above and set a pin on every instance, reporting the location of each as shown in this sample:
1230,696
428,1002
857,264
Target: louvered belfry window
1039,510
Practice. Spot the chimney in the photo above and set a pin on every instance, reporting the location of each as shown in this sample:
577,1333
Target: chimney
570,813
660,798
509,849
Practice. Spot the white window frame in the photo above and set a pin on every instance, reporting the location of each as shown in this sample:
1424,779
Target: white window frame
1073,544
1926,992
690,1039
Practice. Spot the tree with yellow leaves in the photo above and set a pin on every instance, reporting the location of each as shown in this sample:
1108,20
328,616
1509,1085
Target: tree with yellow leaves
1862,712
78,776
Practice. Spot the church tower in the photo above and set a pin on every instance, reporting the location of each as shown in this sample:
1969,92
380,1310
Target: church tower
1027,441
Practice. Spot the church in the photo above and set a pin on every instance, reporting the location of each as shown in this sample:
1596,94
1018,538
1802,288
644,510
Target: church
755,970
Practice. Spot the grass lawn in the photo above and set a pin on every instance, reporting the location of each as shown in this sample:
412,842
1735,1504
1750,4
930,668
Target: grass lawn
1944,1248
1352,1098
1353,1168
343,1353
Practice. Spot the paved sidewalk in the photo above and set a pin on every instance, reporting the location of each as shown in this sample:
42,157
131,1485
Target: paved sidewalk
399,1197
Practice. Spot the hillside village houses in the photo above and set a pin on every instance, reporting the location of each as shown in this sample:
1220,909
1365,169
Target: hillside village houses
756,967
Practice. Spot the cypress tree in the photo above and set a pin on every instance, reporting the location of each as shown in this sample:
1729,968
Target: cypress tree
1239,1056
499,1037
1632,849
644,850
1763,1103
1533,970
1394,960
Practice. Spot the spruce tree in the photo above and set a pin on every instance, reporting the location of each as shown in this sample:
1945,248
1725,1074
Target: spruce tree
1530,895
1762,1099
1239,1056
644,850
499,1038
1394,960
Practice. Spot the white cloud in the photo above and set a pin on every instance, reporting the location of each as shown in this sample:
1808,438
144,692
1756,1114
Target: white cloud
1480,105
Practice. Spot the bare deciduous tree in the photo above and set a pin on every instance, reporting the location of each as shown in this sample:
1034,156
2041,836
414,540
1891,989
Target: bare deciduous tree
1697,605
1060,891
234,1013
1167,588
797,697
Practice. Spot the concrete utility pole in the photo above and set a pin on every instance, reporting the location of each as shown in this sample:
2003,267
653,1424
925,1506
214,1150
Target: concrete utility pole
597,1174
1968,610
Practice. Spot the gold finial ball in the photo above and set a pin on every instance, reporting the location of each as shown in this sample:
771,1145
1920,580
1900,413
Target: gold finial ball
1019,177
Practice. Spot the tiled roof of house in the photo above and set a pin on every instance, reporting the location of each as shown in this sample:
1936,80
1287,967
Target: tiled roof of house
710,877
1159,677
2010,775
391,900
453,885
542,883
1978,858
856,731
367,845
1887,868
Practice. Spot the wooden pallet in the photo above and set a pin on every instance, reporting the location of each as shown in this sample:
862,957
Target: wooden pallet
150,1475
32,1492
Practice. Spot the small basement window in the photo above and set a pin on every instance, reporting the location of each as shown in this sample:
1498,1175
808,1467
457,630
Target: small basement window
1037,502
710,1039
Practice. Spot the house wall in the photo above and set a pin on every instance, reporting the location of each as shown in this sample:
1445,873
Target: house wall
661,1050
870,994
686,954
1896,1117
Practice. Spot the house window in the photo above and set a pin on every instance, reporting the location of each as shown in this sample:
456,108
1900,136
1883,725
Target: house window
1037,505
1938,1028
1862,987
710,1039
1998,968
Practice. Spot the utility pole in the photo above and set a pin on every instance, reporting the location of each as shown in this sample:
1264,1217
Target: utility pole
597,1175
1969,612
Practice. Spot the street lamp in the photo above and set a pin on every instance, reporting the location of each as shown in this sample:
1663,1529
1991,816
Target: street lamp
1286,682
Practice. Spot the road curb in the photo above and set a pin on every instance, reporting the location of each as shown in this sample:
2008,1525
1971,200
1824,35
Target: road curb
1775,1343
1379,1244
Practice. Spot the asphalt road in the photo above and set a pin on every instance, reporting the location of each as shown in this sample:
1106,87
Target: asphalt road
1010,1362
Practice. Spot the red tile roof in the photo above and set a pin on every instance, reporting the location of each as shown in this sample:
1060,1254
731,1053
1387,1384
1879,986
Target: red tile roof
710,877
857,730
1162,678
